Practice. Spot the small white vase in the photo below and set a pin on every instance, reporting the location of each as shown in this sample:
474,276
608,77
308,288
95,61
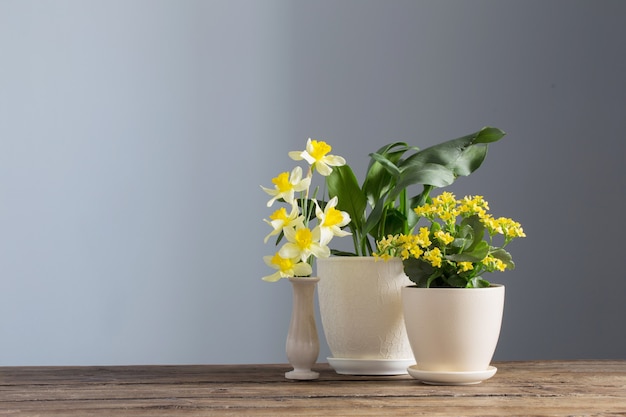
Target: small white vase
453,329
361,311
302,345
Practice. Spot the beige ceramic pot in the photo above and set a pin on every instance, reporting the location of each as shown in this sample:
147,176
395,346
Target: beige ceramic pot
361,312
453,329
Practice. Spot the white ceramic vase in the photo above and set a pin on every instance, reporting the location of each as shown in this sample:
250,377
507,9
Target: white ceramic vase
302,345
453,330
361,312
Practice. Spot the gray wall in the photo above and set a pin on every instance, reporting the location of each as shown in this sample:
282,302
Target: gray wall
134,136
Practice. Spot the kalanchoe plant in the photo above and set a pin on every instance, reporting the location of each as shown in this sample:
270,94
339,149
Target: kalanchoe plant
457,247
382,206
305,241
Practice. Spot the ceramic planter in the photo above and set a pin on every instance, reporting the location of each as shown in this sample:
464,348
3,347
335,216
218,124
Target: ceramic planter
361,312
453,330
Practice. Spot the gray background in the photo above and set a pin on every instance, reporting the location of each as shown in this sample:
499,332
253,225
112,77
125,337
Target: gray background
134,136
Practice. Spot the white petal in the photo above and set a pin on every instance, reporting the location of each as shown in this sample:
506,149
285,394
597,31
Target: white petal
289,250
320,251
272,278
323,169
296,175
296,155
307,157
334,160
302,269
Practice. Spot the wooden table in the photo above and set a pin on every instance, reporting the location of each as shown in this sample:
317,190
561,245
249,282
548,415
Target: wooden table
546,388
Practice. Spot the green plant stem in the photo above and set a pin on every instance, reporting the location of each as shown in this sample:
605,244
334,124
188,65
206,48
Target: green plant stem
404,210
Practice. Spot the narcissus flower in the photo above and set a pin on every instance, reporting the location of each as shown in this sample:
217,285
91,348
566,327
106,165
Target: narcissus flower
331,221
286,185
316,154
286,267
280,219
302,243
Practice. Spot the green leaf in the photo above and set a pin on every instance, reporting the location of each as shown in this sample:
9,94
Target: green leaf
388,165
478,282
428,174
477,230
452,154
488,135
477,254
378,180
457,281
418,271
469,160
343,183
373,219
394,223
504,256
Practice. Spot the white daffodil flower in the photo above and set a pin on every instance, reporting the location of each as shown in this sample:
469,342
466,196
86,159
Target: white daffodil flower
303,242
331,221
285,186
280,219
316,154
286,268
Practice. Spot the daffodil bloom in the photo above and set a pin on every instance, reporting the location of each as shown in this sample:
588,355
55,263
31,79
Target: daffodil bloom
303,242
286,185
331,221
286,267
316,154
280,219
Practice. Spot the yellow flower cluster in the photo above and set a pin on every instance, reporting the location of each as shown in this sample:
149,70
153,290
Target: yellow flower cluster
446,209
403,246
409,246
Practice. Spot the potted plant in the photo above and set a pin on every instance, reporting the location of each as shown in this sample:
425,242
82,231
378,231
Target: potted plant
359,299
308,226
452,313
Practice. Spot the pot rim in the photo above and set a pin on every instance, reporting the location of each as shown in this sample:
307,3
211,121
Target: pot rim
492,287
335,258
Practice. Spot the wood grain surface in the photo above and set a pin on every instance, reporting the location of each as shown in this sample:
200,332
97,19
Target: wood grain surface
538,388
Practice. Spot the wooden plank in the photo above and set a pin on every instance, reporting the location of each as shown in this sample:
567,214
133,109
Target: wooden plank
528,388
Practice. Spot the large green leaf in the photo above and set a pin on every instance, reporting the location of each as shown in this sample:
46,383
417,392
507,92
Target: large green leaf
373,219
387,164
452,154
378,179
469,160
429,174
343,183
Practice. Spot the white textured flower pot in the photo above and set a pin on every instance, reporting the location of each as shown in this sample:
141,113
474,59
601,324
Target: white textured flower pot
453,330
361,311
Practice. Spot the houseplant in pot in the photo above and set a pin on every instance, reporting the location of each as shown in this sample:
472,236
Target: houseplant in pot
452,313
360,300
307,226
